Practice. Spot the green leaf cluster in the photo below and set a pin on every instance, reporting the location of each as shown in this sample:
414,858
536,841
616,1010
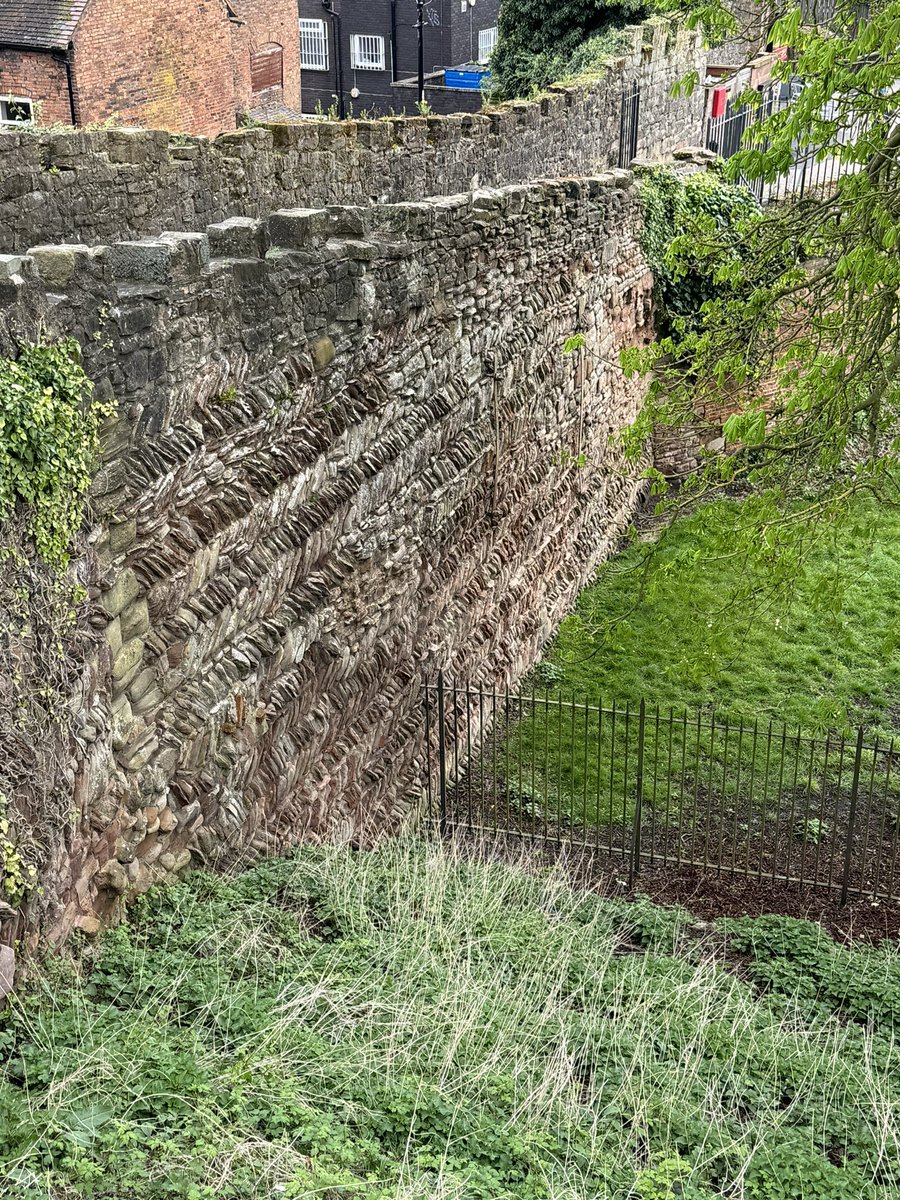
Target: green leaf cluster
695,238
799,333
540,44
49,442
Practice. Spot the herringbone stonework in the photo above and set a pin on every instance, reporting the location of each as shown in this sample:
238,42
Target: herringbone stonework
349,450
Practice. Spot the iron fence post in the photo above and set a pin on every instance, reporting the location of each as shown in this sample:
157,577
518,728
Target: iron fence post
639,797
851,820
442,755
429,782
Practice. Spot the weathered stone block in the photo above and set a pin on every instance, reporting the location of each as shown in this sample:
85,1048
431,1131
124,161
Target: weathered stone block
191,255
113,634
148,261
56,265
323,352
295,229
128,659
238,237
111,878
135,620
122,535
122,593
141,683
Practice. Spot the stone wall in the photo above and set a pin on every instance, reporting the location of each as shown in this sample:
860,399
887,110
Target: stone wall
346,454
95,187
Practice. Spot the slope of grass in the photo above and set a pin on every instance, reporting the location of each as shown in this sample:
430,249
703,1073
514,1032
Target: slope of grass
698,638
827,657
408,1024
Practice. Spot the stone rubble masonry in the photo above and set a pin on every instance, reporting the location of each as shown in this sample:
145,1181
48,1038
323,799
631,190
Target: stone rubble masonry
123,183
345,454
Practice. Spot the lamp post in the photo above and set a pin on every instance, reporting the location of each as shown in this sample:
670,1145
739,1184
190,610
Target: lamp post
335,14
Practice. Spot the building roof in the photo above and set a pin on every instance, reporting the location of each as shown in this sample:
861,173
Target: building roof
39,24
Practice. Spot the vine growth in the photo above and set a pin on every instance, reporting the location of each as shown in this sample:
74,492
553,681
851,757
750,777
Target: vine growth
49,444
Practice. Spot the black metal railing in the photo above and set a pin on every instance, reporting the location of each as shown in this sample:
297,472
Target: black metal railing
629,124
814,170
651,786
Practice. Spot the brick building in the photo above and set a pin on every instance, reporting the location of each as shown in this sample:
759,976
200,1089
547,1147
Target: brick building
377,51
185,65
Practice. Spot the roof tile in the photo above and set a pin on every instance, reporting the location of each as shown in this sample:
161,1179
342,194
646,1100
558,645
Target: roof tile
43,24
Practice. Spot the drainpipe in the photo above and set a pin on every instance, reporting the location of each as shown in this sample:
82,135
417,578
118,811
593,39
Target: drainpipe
335,15
69,84
420,26
395,74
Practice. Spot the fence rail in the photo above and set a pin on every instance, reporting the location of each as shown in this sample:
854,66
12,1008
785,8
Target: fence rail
814,171
648,786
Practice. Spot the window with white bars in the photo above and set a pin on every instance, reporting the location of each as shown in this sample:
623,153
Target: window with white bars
487,40
313,45
366,52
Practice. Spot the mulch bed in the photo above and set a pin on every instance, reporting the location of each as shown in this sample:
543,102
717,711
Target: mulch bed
709,897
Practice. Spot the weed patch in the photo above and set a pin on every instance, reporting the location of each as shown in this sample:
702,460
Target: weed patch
465,1029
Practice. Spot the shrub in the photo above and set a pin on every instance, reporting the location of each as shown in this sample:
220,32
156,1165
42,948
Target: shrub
694,238
542,43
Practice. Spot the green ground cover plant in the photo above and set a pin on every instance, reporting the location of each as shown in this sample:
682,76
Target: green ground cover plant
409,1023
692,627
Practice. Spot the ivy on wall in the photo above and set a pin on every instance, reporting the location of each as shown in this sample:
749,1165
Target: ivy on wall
695,240
49,443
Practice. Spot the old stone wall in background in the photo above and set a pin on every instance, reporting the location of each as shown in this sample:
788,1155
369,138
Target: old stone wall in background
97,186
348,451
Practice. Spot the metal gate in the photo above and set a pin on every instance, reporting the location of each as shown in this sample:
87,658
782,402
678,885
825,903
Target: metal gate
628,124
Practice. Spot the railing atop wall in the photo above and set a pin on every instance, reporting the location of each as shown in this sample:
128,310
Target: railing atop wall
813,171
650,786
629,124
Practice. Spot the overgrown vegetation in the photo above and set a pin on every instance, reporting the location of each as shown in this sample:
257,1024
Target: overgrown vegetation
540,44
49,443
808,305
682,214
404,1023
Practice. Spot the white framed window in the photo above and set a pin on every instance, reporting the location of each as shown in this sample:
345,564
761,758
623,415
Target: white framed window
366,52
16,110
487,40
313,45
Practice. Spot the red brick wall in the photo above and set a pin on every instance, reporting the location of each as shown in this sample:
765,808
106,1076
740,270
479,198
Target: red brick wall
266,21
162,65
37,77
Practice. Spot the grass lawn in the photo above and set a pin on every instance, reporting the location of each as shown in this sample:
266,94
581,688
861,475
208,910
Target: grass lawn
828,658
404,1023
696,636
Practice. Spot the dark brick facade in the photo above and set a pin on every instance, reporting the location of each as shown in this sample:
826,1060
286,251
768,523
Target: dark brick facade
451,39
